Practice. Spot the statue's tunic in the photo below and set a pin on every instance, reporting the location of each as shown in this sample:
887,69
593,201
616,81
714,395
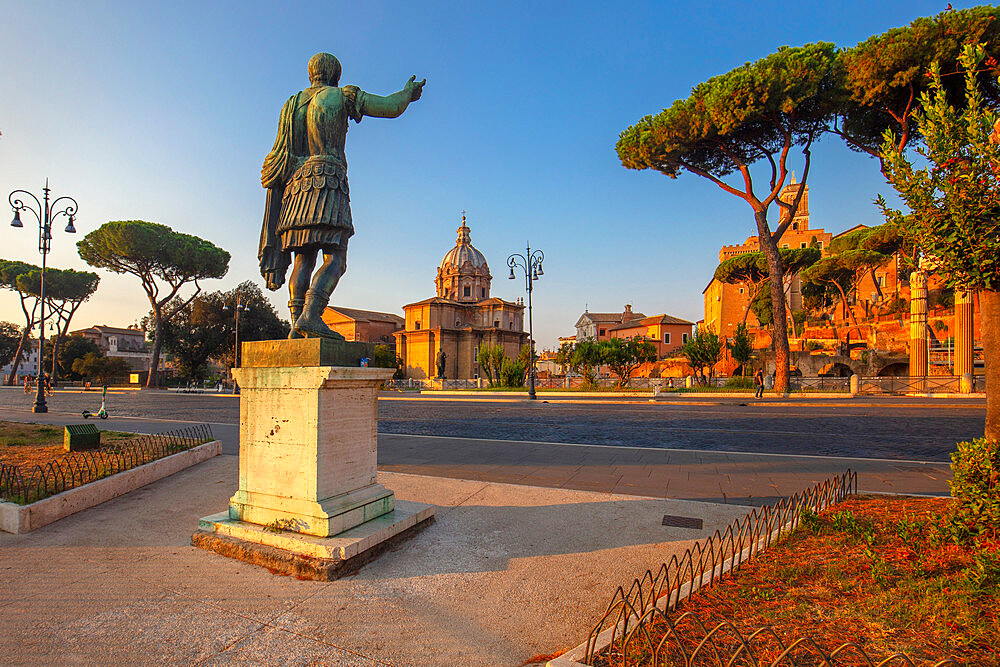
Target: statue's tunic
308,162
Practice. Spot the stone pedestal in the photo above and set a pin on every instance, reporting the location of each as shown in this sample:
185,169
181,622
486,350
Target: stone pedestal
308,456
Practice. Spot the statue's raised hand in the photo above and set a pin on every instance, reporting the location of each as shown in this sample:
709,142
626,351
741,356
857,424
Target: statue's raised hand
414,88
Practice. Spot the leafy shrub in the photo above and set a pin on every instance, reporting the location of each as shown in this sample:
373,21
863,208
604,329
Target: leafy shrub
810,520
975,487
513,372
384,356
894,305
740,383
984,573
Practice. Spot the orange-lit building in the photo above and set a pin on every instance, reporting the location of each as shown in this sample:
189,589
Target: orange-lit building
597,326
726,304
459,318
666,332
367,326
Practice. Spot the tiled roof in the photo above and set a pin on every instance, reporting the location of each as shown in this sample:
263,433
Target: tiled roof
610,317
367,315
111,330
648,321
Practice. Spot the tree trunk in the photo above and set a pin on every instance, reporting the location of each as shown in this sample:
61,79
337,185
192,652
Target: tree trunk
779,321
16,361
154,361
989,304
791,317
55,356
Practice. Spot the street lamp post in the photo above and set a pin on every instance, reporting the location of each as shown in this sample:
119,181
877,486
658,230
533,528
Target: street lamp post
240,306
45,212
531,264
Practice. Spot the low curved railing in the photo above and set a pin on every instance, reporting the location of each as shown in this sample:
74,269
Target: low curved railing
707,561
29,484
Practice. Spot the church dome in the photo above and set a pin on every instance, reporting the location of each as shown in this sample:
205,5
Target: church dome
463,274
463,252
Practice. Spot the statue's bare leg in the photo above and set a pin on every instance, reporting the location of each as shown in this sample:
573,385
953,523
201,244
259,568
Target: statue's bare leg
298,284
324,281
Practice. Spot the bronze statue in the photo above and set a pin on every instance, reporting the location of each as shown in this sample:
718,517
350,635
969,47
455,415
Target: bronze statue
308,205
441,359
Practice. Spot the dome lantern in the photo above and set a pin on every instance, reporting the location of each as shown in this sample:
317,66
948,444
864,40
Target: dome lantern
463,274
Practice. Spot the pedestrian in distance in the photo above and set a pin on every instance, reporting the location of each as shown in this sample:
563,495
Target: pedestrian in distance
758,383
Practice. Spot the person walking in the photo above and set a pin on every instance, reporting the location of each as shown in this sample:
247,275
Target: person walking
758,383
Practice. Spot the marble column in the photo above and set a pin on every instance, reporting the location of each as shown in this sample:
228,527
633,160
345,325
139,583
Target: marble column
918,324
964,339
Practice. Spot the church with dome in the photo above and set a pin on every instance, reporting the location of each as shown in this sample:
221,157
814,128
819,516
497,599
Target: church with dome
459,318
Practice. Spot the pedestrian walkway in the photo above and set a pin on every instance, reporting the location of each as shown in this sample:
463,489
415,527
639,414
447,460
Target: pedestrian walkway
530,541
505,573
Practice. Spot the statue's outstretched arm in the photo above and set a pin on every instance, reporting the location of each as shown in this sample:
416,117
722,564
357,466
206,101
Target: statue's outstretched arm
394,105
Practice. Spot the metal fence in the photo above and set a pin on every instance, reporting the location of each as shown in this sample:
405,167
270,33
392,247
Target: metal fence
26,485
917,385
686,641
866,385
702,564
820,383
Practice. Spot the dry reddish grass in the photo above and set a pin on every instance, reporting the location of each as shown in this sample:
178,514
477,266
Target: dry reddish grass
878,571
28,445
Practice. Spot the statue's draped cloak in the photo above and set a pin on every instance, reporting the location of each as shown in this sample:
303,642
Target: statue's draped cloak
308,200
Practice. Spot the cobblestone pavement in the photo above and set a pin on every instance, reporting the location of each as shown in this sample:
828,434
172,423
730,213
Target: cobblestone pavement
880,428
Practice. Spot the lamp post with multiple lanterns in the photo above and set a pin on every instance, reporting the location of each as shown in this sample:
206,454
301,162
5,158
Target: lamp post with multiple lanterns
45,212
531,264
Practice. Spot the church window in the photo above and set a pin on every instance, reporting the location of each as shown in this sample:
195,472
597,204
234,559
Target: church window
666,338
795,225
482,292
741,290
417,325
466,291
496,324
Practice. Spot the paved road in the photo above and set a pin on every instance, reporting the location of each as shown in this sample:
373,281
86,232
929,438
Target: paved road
923,430
748,454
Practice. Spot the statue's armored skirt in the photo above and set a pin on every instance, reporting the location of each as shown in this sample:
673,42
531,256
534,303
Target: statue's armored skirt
316,207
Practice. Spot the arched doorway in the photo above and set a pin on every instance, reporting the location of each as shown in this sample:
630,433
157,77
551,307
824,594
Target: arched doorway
836,370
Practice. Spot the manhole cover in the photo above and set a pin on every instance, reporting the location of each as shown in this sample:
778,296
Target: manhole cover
682,521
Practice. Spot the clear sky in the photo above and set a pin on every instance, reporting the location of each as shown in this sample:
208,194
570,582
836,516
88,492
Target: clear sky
165,111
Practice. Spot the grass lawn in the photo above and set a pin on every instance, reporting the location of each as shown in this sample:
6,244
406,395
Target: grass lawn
27,445
881,571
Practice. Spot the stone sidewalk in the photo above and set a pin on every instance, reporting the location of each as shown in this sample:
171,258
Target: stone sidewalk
505,573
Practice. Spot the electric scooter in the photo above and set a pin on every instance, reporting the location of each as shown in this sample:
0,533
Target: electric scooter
102,412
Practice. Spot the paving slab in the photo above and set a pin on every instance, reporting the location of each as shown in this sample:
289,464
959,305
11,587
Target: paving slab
506,572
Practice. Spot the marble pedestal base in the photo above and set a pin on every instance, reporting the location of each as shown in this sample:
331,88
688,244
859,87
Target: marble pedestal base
308,457
308,556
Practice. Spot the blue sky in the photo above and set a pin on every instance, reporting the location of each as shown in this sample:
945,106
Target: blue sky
164,112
